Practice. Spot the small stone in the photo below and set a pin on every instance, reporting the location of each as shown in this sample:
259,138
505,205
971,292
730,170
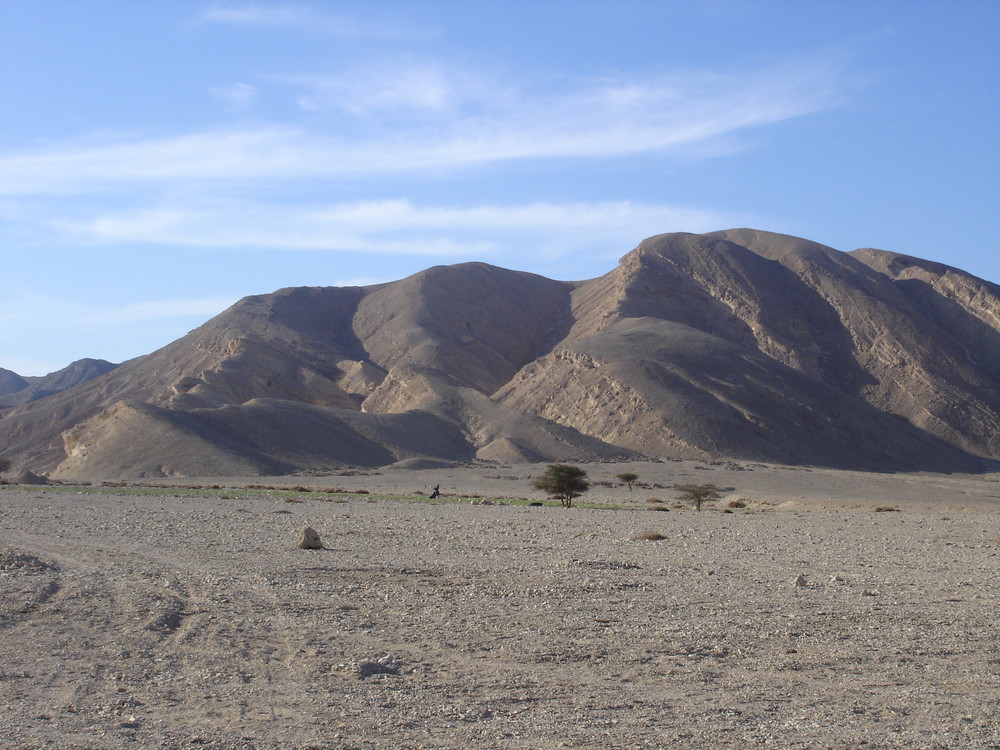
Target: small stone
383,666
310,539
801,581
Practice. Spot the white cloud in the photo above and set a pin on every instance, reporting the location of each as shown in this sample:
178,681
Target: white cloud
59,329
413,86
25,307
237,95
307,18
399,227
258,15
608,118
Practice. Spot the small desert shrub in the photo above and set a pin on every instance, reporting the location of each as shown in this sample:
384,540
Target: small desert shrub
292,500
658,508
696,494
653,500
886,509
651,536
740,503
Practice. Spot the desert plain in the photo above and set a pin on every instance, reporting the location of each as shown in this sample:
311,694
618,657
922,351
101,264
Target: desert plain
834,609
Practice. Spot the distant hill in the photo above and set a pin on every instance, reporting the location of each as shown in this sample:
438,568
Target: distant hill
735,344
15,389
11,382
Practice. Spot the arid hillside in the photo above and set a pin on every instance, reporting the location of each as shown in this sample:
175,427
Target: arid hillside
15,389
734,344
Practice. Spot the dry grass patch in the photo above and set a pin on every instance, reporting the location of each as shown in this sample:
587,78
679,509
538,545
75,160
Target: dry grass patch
740,503
651,536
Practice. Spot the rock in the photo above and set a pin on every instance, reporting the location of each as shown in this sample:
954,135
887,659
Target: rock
28,477
310,539
800,582
384,665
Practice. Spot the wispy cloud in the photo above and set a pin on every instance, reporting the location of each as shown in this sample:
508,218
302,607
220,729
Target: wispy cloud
238,95
301,17
400,227
58,329
259,15
607,118
381,89
77,313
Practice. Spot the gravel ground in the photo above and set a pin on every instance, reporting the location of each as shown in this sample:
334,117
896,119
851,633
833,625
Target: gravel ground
168,619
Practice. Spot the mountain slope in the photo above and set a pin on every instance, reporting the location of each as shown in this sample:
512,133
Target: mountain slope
700,386
15,389
739,344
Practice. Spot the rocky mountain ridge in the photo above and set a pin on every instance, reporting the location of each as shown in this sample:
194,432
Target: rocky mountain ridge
734,344
17,389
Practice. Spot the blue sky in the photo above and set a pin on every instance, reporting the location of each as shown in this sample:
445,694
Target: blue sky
160,160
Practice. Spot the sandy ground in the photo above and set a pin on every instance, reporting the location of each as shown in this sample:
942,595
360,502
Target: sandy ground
141,618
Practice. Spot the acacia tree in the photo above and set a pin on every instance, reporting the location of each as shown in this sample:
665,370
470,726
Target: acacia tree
697,494
564,482
628,477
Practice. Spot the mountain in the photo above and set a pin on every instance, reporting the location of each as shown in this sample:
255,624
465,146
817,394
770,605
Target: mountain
15,389
11,382
734,344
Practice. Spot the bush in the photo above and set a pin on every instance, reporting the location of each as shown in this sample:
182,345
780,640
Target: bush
564,482
696,494
651,536
628,477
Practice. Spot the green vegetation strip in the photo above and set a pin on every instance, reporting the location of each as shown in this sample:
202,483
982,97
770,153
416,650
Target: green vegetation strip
290,495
